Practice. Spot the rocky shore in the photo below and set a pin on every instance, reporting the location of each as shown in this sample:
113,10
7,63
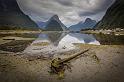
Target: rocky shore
103,63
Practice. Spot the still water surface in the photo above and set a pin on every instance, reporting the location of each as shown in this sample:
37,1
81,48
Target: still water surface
54,42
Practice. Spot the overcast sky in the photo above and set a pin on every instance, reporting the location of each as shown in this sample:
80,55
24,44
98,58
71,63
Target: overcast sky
69,11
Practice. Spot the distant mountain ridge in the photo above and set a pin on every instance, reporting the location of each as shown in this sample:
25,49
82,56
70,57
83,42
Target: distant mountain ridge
114,17
11,14
54,24
89,23
41,24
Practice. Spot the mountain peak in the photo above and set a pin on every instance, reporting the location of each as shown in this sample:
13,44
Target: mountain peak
55,16
89,20
54,24
88,23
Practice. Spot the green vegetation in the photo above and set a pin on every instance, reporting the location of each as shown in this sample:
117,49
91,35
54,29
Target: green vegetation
41,44
9,27
15,45
114,17
106,39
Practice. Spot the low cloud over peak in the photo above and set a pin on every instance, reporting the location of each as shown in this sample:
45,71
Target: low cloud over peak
69,11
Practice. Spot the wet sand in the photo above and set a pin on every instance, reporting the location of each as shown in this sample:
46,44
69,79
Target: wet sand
103,63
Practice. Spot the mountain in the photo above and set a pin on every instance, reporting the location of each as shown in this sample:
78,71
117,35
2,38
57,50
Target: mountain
54,24
89,23
41,24
11,15
114,17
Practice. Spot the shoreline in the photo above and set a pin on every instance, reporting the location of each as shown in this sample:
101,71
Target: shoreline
104,32
109,63
40,31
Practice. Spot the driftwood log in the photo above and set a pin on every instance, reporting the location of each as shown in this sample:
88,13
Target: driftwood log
74,56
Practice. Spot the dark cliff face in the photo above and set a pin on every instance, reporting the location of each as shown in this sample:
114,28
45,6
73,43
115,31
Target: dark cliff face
9,6
10,14
114,17
54,24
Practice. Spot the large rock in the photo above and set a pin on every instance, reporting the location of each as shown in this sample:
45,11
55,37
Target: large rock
10,14
89,23
54,24
114,17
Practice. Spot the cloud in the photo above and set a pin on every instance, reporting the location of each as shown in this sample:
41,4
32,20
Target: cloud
98,6
65,2
69,11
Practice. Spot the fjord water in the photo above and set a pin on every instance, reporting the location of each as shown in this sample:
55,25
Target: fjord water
59,42
55,42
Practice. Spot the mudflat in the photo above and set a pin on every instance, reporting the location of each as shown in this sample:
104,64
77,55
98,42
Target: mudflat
102,63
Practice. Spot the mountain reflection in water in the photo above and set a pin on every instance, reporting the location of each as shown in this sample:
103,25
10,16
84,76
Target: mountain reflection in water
59,42
53,42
